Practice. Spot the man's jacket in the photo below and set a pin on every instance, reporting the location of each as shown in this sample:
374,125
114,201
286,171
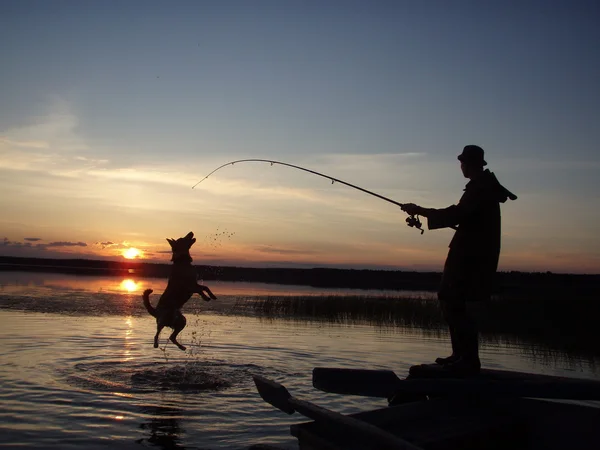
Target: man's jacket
475,247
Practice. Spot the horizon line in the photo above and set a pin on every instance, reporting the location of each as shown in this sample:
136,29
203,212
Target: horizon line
298,266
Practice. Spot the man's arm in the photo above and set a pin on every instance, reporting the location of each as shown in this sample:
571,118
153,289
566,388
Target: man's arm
442,218
446,217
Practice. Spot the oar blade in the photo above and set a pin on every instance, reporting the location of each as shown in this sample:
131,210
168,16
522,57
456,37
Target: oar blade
273,393
369,383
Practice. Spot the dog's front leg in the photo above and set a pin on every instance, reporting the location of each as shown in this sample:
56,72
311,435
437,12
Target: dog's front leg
200,289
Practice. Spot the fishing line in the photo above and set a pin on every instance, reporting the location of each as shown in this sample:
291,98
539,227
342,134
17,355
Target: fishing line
411,221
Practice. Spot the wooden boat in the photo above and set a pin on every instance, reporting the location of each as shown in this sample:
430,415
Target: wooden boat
430,380
493,410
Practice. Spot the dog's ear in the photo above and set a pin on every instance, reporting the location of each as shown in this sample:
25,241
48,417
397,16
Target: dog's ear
171,242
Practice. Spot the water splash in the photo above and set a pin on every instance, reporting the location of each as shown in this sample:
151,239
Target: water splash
128,378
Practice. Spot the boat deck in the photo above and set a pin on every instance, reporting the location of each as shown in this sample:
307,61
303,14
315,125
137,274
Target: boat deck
448,424
488,417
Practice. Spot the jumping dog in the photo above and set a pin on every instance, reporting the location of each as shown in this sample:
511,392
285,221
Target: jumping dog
180,288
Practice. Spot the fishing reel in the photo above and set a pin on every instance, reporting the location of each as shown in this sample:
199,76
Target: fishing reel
413,221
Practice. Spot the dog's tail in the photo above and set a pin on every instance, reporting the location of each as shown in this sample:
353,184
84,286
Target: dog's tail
147,304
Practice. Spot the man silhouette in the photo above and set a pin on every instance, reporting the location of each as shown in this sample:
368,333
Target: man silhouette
473,256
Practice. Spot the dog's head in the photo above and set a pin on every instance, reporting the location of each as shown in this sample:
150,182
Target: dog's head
181,247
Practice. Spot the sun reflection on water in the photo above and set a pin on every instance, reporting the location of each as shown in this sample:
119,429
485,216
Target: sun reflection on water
126,356
129,285
122,394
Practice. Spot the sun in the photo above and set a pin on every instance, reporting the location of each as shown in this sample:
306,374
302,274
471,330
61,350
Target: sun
132,253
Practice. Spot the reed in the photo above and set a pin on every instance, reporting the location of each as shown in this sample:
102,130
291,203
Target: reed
567,325
384,310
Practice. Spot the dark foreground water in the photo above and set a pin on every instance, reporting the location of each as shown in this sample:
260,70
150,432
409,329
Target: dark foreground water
78,370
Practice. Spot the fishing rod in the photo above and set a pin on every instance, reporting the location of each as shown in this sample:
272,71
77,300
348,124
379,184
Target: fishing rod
411,221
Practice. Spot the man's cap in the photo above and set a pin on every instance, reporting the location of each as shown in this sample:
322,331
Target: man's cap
472,154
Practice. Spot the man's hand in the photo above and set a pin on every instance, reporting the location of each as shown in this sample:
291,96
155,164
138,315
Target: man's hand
411,209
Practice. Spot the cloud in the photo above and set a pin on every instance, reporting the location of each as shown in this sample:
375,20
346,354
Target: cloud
285,251
57,249
112,245
161,174
104,245
55,130
52,144
91,160
34,239
52,152
24,144
64,244
345,161
8,243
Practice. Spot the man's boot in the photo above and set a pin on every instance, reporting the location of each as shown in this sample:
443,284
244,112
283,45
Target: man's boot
468,343
455,352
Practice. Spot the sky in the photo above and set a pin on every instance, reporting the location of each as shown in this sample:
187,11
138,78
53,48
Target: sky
112,111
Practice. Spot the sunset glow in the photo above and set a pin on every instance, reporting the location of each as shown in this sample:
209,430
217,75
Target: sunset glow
381,97
132,253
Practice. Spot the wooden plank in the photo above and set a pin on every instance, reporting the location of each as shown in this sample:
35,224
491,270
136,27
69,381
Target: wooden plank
370,383
437,424
309,439
561,389
498,423
265,447
383,383
359,429
559,425
278,396
438,371
273,393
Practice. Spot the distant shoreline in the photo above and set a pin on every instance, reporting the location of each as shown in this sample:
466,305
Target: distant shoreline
506,282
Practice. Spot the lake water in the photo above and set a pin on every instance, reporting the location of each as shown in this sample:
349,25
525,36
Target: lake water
78,369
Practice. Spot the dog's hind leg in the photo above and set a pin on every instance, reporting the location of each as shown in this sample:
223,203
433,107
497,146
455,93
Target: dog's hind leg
179,325
159,328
